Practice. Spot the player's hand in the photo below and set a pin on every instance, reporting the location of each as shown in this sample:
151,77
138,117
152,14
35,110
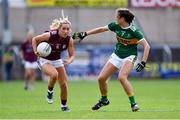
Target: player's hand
37,54
79,35
140,66
66,62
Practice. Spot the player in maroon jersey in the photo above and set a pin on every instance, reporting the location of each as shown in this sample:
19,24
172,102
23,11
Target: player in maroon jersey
29,58
53,65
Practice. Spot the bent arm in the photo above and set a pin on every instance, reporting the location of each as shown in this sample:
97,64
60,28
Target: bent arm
40,38
146,47
97,30
71,51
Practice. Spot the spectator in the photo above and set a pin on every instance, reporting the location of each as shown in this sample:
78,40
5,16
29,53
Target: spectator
8,62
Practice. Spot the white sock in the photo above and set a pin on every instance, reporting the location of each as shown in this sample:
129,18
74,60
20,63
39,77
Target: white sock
63,105
50,91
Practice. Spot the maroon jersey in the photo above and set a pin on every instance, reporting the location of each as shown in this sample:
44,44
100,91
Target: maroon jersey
28,52
58,44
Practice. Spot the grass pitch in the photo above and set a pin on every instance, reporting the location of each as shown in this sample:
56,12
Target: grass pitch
158,99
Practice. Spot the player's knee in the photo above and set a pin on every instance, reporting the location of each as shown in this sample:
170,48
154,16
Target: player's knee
101,79
28,73
32,74
54,75
122,78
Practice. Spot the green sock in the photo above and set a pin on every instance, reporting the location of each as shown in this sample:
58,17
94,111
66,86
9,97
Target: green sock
104,98
132,100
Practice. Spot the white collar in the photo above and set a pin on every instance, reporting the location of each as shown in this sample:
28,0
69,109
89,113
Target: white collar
127,26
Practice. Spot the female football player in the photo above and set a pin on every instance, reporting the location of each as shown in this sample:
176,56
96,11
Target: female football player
123,57
53,65
29,58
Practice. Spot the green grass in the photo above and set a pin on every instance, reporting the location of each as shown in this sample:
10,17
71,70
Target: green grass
158,99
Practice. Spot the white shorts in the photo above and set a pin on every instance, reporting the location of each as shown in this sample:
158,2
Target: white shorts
56,63
117,62
32,65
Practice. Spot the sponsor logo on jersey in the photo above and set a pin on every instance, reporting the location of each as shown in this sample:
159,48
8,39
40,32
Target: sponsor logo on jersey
127,41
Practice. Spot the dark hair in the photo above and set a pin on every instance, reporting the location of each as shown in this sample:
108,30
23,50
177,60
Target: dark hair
126,14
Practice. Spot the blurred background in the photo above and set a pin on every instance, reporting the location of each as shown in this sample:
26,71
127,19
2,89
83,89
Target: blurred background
158,19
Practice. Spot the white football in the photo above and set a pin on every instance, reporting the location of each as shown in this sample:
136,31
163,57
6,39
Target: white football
44,49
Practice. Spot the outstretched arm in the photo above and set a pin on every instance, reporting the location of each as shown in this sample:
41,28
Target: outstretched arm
97,30
81,35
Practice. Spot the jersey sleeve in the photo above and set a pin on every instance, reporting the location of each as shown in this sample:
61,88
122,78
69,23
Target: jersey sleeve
112,26
138,34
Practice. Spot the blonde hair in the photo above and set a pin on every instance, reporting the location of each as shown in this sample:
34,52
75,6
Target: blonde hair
56,23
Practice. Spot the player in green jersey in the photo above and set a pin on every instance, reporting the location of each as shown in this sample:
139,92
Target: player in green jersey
123,57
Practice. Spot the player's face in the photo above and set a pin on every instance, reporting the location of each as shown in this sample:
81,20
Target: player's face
64,30
119,19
